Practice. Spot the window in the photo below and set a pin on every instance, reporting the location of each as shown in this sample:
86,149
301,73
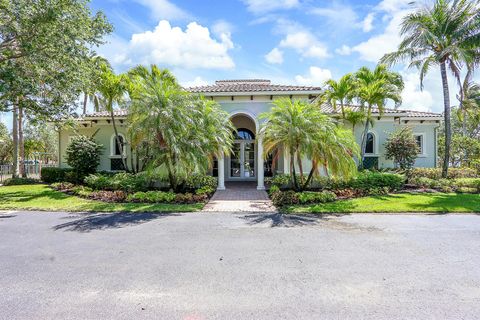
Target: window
370,145
244,134
419,139
115,149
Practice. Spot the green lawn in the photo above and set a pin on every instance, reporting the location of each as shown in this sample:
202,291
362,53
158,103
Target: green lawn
41,197
433,202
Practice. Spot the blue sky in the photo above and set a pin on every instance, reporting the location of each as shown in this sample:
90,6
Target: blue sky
301,42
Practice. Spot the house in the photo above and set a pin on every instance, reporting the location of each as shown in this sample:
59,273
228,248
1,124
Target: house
245,100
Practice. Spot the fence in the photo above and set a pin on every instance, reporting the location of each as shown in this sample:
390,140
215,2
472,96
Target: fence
32,170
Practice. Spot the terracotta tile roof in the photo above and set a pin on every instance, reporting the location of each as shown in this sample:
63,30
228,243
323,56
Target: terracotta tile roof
252,85
327,108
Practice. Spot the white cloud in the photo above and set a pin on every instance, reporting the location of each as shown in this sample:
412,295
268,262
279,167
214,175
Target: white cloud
344,50
367,24
412,97
342,17
262,6
305,43
275,56
164,9
172,46
316,77
197,82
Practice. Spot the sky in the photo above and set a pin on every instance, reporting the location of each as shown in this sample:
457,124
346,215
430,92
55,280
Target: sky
296,42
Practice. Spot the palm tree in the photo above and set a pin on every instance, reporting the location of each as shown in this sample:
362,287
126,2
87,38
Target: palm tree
112,89
340,93
373,89
184,132
354,117
303,130
98,64
444,34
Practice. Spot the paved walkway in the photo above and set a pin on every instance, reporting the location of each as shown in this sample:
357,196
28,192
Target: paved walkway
240,197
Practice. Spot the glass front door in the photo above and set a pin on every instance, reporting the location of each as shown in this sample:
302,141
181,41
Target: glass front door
242,160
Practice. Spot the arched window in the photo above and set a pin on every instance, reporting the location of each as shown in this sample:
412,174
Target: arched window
370,145
115,148
244,134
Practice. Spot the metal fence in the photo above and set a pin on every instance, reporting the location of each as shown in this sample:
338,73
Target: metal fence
32,170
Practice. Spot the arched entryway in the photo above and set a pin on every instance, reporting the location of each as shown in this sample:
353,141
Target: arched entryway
243,162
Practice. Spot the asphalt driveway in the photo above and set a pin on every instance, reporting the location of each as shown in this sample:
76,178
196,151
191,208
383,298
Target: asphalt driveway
238,266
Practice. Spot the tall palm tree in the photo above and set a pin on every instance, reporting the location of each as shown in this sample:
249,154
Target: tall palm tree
98,65
443,35
340,92
373,89
354,117
112,89
301,129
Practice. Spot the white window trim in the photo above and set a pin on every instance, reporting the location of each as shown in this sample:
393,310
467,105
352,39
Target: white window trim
422,153
375,145
112,147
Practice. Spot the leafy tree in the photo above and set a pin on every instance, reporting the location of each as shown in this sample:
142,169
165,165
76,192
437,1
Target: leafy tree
302,130
402,148
465,150
182,132
113,89
41,141
444,34
354,117
83,155
373,89
6,145
341,92
100,64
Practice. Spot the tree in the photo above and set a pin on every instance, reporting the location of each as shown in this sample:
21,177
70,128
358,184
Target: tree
6,145
182,132
445,34
44,57
340,93
90,91
373,89
402,148
302,130
83,155
354,117
113,89
469,104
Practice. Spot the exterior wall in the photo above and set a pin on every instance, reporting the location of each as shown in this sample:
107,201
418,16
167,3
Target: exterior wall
103,137
246,107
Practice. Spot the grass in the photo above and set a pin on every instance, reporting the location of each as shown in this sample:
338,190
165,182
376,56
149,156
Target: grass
41,197
397,203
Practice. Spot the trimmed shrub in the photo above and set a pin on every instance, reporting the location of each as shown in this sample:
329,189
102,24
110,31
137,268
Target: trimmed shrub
62,186
436,173
19,181
152,197
82,191
197,181
83,155
205,190
316,197
99,182
369,180
184,198
284,198
273,189
53,174
282,181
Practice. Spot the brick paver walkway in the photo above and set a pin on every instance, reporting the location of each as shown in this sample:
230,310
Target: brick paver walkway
240,197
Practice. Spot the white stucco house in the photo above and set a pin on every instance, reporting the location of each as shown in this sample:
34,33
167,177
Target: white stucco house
245,100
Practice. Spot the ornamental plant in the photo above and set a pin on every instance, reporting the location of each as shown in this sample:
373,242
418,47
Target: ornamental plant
83,155
402,148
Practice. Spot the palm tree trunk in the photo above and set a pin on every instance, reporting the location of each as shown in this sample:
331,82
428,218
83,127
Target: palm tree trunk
292,166
21,144
15,140
448,129
364,142
300,167
310,175
85,100
117,139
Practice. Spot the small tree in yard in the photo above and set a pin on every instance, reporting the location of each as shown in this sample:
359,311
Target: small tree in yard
83,155
402,147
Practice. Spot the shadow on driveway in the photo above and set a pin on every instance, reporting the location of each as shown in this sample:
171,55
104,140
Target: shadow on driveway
101,221
287,220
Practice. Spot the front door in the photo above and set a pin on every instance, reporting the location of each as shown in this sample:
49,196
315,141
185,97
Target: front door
242,160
